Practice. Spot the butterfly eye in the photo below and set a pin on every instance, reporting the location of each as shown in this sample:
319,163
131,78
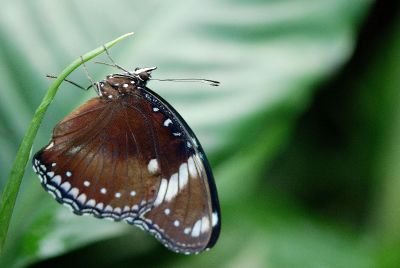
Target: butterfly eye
144,76
134,159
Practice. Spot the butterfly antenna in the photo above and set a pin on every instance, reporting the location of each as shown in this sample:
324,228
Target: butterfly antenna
104,63
204,81
113,62
71,82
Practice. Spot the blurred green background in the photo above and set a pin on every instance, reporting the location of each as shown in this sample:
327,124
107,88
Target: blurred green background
303,134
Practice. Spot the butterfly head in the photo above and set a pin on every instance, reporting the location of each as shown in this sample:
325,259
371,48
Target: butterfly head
144,74
119,85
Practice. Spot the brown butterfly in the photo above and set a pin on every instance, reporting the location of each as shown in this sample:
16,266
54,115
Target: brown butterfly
128,155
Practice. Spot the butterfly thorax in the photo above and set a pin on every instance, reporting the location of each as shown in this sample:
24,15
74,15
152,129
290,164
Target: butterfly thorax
117,86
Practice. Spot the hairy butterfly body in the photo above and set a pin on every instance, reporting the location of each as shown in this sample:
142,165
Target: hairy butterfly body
128,155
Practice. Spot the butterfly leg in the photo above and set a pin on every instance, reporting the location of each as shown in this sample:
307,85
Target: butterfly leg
71,82
92,83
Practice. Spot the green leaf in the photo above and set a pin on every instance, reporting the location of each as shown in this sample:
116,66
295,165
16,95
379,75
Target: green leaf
379,107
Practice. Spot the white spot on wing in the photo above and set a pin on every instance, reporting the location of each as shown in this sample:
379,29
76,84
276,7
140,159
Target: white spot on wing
75,149
195,142
183,176
187,230
161,192
205,224
57,180
192,167
196,229
117,194
103,190
81,199
50,174
74,192
100,206
176,223
133,193
172,190
65,186
167,211
167,122
153,167
68,173
86,183
117,210
50,145
91,203
214,219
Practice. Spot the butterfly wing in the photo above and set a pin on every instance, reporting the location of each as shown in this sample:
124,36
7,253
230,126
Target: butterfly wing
189,197
134,160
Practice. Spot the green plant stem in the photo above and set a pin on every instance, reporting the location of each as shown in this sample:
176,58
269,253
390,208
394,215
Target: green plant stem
11,189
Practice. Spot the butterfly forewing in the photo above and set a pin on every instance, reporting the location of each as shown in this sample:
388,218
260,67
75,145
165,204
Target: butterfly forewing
187,198
134,159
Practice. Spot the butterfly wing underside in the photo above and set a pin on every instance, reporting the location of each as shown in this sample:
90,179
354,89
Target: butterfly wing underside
134,160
